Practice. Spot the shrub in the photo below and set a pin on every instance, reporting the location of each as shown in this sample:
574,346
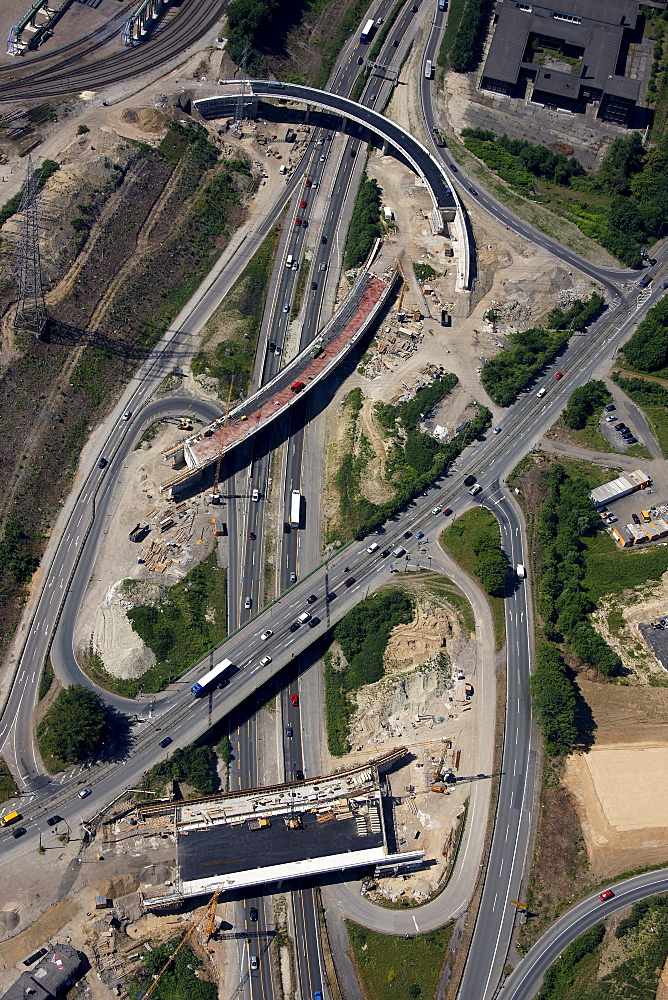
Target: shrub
72,729
584,402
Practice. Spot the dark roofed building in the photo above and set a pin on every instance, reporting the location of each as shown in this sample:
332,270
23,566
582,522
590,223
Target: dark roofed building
57,971
565,59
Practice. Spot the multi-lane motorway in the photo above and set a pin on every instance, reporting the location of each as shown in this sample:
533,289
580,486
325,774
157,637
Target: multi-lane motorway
175,712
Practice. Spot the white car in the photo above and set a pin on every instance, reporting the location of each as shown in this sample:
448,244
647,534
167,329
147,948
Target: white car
255,495
248,603
267,635
437,510
609,419
475,489
265,660
127,414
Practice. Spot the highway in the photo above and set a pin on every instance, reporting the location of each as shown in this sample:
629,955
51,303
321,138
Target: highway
176,713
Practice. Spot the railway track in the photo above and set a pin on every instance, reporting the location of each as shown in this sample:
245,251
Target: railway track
180,28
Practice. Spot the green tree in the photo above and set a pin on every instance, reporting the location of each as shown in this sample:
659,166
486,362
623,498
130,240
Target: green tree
73,727
584,402
554,701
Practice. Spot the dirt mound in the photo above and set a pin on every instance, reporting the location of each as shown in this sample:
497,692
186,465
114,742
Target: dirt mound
112,636
9,921
118,885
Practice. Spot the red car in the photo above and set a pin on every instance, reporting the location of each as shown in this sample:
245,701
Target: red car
295,699
608,894
559,375
298,222
308,182
252,536
302,204
448,510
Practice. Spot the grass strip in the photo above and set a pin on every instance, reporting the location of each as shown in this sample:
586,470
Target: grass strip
462,539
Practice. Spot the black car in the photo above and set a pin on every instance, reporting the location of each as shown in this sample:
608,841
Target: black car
252,914
165,742
288,732
314,621
312,599
632,440
294,626
453,167
314,285
323,240
18,832
636,519
385,553
620,427
627,434
473,191
330,597
609,407
52,820
469,481
102,463
407,534
299,775
272,345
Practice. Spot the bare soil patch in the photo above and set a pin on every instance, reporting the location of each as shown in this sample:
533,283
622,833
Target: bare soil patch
614,786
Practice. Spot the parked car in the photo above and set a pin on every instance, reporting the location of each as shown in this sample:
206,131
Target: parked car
52,820
252,914
609,419
610,407
636,519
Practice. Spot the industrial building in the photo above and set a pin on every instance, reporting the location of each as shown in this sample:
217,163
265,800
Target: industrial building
305,828
566,59
618,488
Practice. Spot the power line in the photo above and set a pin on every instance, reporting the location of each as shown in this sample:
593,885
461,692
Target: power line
31,310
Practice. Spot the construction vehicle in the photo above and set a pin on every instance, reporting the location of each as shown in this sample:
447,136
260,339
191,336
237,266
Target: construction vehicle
297,386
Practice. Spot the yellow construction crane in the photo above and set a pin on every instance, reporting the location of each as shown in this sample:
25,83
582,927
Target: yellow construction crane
207,930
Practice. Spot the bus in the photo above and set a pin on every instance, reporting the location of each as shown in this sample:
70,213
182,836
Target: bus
218,676
367,30
428,69
295,508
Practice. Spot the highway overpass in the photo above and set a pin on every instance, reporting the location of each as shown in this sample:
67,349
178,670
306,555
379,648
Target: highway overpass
443,195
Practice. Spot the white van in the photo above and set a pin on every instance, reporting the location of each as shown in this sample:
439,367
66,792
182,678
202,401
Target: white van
304,617
541,392
373,547
521,572
289,260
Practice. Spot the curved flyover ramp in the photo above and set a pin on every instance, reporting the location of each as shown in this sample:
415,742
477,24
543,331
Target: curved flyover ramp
443,195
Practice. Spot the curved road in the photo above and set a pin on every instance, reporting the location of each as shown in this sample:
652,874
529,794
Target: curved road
524,982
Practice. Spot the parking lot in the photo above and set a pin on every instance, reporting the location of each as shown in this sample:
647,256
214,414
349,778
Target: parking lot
655,634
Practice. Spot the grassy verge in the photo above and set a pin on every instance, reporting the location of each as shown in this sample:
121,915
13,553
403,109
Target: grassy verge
455,12
451,594
8,787
302,278
471,530
238,319
398,967
193,765
45,680
364,223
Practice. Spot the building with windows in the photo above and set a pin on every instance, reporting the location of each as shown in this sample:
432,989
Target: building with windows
566,58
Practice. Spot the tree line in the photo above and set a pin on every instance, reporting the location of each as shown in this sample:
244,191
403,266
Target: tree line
467,49
632,180
647,349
